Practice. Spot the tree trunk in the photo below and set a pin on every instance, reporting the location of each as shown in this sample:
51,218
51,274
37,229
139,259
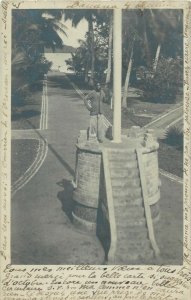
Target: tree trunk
146,43
156,58
91,33
86,73
125,92
109,62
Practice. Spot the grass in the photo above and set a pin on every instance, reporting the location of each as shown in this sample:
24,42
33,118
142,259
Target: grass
171,151
27,116
128,119
140,106
23,153
174,137
179,125
170,159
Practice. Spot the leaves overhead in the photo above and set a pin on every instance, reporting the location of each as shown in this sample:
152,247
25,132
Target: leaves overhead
34,29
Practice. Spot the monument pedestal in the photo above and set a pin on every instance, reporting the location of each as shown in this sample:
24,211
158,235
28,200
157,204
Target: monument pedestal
117,194
87,181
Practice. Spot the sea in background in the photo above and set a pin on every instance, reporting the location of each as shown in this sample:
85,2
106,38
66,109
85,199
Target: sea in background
58,61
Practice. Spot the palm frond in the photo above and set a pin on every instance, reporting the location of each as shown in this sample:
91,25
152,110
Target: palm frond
60,28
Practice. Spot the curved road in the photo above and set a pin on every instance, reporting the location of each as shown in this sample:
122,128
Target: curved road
166,120
42,232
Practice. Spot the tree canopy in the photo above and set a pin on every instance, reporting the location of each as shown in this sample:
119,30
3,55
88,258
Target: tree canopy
32,31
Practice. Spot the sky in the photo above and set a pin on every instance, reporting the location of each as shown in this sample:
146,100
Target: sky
74,33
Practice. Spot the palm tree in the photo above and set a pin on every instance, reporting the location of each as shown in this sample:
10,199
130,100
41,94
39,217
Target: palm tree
76,15
152,28
109,64
130,37
81,59
104,21
160,25
126,85
33,30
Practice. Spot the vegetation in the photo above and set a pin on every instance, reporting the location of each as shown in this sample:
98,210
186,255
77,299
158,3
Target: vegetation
32,31
91,15
170,159
163,86
152,39
174,137
81,59
94,54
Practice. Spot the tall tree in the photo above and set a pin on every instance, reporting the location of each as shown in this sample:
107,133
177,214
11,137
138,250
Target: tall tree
76,15
161,26
104,21
126,85
156,31
34,29
81,59
130,38
109,64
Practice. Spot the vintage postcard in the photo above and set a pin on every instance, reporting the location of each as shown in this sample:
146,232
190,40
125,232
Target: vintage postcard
95,166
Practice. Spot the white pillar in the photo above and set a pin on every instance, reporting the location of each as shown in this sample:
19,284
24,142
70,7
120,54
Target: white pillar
117,65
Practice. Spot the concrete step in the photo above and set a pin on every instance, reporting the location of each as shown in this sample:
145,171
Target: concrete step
130,222
123,201
123,165
131,233
126,201
121,159
121,173
129,211
130,194
122,156
125,183
121,151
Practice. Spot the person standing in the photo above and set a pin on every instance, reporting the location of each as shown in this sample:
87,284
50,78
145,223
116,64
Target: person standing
93,102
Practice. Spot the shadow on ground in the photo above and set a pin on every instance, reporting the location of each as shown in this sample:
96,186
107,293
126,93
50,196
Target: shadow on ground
52,149
65,197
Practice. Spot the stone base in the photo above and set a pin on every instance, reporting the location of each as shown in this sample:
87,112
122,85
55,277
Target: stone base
132,238
84,217
84,225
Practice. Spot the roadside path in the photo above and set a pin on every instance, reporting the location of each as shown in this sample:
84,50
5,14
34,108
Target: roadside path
166,120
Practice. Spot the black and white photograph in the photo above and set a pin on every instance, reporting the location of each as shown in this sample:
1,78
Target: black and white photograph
97,136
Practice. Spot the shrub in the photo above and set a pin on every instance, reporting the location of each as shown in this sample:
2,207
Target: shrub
20,96
174,137
36,70
28,79
163,86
